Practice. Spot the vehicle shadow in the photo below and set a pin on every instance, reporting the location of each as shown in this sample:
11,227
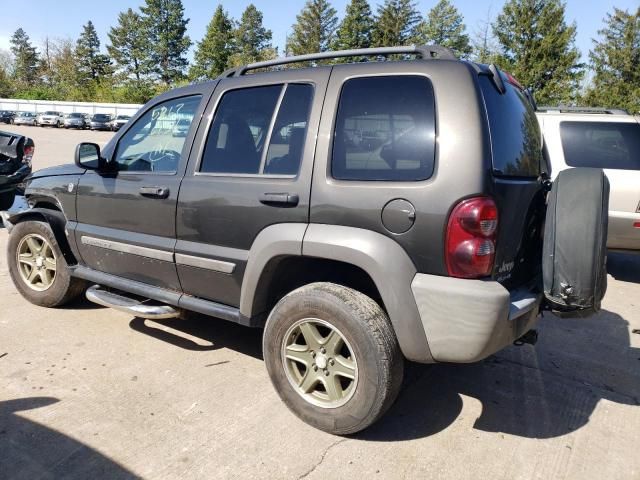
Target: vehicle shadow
31,450
542,392
539,392
624,266
218,333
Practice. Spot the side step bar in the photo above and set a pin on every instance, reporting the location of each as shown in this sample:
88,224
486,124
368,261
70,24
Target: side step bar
132,306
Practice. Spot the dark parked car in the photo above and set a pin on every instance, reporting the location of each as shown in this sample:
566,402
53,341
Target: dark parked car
119,121
16,153
100,121
75,120
7,116
25,118
361,214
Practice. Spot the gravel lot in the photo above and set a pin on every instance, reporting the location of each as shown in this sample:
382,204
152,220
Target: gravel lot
88,392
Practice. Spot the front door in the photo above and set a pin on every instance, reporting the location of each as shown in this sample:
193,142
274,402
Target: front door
251,169
126,218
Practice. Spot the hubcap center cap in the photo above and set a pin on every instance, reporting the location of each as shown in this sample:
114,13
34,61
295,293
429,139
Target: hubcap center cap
321,361
39,262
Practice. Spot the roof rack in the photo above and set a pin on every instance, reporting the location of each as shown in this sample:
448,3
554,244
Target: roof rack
426,52
595,110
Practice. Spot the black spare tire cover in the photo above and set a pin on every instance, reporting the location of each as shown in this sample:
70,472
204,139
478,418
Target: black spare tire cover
574,253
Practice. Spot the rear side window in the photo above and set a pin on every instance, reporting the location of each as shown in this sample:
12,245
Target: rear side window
601,144
385,129
515,134
244,126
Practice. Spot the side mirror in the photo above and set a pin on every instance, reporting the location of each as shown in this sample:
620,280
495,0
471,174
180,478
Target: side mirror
88,156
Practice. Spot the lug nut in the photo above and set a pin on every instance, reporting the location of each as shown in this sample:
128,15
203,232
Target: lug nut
323,350
313,354
315,368
326,372
331,362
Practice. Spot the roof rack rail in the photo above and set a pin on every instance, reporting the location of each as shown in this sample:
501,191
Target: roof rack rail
595,110
424,51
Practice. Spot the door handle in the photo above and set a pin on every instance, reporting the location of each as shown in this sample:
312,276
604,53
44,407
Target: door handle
280,199
154,192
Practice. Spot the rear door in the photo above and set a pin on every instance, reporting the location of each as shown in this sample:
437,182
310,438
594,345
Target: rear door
615,147
516,164
251,168
126,217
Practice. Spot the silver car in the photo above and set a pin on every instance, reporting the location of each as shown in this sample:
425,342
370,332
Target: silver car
600,138
25,118
75,120
51,118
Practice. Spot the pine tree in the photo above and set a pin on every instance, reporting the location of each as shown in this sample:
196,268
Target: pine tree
395,23
355,29
165,29
25,67
615,60
129,45
213,52
91,64
252,40
314,28
444,26
538,48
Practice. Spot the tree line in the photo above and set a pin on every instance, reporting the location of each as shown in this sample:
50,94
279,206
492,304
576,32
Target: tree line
146,52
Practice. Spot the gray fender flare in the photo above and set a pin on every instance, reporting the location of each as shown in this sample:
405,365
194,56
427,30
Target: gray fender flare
384,260
56,220
391,270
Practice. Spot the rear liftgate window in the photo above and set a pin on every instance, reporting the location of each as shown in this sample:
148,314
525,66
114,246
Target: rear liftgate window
601,144
515,134
385,130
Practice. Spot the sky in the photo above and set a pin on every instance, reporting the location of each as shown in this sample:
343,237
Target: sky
64,18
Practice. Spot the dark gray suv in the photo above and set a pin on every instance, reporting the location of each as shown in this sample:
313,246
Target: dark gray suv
362,214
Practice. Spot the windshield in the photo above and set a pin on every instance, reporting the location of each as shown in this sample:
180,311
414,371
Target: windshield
123,117
25,114
50,113
75,115
101,117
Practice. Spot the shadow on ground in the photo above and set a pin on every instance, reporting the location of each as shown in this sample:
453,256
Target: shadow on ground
31,450
541,392
624,266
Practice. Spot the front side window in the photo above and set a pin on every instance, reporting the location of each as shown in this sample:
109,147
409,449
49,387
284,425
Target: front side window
155,142
385,129
601,144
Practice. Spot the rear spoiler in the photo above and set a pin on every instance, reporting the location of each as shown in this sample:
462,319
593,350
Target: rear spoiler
499,77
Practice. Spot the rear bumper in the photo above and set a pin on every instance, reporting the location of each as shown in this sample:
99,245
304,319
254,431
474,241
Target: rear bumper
468,320
622,234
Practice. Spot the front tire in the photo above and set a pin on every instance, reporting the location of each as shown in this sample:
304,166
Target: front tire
37,266
333,357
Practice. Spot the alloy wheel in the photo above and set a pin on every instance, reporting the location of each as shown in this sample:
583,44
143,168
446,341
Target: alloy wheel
36,262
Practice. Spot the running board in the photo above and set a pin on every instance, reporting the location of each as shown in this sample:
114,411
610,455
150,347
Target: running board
137,308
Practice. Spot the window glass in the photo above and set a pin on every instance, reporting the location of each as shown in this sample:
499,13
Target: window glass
154,143
601,144
515,134
289,131
385,129
240,127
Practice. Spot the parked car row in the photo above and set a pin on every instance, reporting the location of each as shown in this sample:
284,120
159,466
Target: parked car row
98,121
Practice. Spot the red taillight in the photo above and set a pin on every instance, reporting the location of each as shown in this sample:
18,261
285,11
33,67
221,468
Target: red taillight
28,154
511,79
471,238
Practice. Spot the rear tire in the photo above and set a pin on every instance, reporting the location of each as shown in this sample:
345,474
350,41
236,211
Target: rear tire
37,266
318,337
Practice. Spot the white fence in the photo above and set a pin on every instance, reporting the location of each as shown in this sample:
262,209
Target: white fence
38,106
